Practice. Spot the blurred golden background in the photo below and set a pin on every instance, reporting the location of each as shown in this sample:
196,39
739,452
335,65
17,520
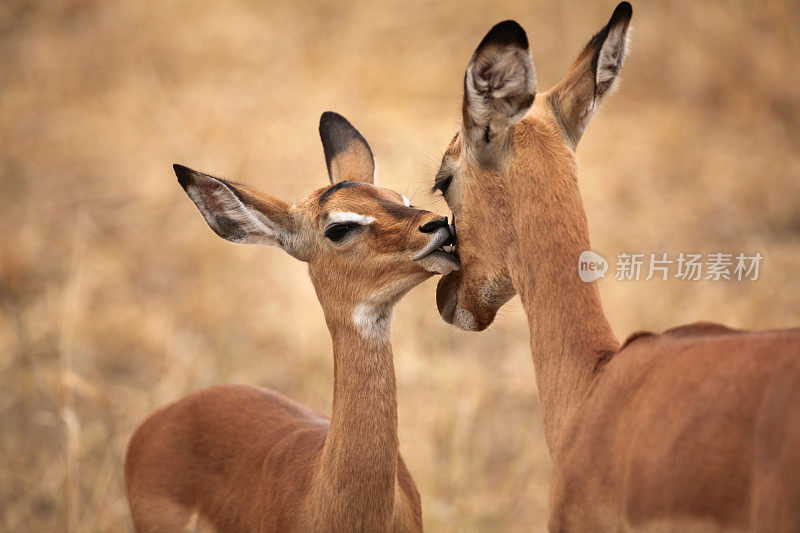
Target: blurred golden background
117,298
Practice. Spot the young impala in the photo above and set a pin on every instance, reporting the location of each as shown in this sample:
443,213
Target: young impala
239,458
697,428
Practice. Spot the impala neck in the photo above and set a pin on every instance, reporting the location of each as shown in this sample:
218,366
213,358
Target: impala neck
571,340
359,461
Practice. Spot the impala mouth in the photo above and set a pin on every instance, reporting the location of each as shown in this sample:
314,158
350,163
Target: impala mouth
439,255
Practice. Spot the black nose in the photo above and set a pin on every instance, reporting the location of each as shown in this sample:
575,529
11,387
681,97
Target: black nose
433,225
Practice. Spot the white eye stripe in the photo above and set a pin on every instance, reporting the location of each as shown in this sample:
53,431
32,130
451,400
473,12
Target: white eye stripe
343,217
406,200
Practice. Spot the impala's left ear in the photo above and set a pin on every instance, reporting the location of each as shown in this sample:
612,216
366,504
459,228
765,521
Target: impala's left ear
347,154
499,84
593,76
241,214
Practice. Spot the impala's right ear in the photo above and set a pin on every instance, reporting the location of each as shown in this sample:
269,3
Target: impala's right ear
240,214
593,76
347,154
499,84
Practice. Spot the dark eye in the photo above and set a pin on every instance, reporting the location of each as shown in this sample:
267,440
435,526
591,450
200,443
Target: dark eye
442,183
337,232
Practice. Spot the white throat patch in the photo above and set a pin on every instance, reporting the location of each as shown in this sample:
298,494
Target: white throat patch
375,323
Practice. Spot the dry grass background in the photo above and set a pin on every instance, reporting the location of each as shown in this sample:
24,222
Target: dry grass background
117,298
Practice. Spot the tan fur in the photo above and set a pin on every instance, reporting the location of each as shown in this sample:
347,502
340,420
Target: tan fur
696,429
354,164
240,458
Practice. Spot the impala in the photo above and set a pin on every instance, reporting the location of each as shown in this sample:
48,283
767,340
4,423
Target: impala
239,458
697,428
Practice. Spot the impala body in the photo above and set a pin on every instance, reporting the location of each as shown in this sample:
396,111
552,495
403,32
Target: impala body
239,458
695,429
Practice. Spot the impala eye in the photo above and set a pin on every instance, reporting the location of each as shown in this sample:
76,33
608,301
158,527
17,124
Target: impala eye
442,183
337,232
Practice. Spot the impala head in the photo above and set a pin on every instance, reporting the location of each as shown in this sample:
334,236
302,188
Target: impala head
510,137
365,245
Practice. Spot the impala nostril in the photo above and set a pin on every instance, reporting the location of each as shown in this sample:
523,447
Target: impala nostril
433,225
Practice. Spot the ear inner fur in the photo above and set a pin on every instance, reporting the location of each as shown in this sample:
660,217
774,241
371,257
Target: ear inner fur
499,83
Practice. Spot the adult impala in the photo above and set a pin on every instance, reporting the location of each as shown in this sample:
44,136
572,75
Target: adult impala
697,428
237,458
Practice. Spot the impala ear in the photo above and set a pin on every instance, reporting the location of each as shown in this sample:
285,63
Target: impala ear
240,214
347,154
593,76
499,84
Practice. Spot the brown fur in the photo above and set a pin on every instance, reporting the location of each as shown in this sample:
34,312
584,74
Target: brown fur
695,429
239,458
